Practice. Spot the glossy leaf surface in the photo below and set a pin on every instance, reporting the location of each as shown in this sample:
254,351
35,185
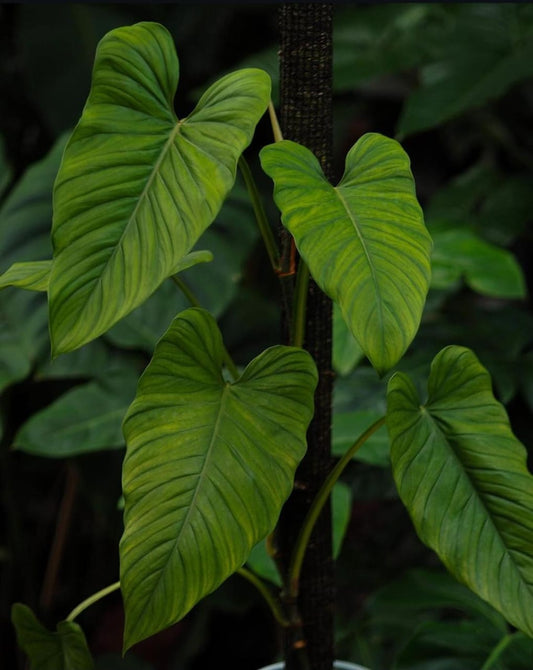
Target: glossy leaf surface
364,241
208,466
462,475
65,649
137,187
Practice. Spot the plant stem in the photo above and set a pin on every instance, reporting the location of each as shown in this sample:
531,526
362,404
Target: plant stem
92,599
264,226
497,651
60,536
317,506
300,304
228,361
275,605
186,290
276,130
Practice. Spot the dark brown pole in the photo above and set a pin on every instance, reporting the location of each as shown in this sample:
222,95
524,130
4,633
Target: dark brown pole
306,117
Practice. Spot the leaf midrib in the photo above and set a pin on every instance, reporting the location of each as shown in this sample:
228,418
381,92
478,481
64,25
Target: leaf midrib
366,251
155,170
225,392
510,552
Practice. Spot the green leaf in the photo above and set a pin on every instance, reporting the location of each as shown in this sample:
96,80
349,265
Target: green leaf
371,41
137,187
192,259
341,509
364,241
26,215
260,561
486,268
31,275
25,222
458,200
347,426
65,649
92,361
490,48
85,419
230,239
462,475
208,466
23,334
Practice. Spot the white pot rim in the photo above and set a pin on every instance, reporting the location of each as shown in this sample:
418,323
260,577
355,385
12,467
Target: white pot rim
337,665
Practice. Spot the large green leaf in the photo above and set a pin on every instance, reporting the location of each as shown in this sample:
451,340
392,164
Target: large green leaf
137,187
86,418
65,649
462,475
364,241
208,466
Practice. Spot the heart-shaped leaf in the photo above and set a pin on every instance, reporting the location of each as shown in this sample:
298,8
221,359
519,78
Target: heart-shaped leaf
137,187
463,477
364,241
208,466
65,649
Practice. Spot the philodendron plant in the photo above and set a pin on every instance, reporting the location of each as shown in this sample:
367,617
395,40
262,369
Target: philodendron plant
212,450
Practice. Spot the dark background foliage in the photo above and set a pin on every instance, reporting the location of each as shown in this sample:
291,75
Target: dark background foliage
452,82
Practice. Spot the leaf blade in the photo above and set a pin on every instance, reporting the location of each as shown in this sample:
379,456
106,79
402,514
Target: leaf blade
235,447
137,186
65,649
364,241
462,475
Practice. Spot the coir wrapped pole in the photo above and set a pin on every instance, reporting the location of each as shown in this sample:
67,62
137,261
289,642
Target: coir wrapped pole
306,117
